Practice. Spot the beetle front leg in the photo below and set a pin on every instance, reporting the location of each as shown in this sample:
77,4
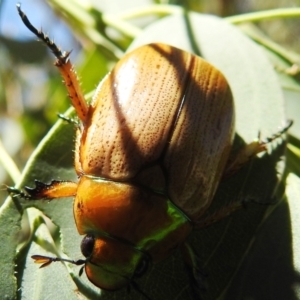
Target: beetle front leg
56,189
250,150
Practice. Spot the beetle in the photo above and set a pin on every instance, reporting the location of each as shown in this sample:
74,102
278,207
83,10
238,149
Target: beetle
159,122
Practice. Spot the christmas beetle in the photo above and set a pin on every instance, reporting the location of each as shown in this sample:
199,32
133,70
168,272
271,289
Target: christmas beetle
158,123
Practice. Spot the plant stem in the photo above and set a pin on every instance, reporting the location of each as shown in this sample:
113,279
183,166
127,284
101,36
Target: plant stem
280,13
8,164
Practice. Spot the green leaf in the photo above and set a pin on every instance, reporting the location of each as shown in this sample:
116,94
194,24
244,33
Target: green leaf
275,250
283,62
9,227
224,248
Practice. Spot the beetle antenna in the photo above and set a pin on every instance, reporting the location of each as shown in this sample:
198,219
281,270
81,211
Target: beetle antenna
47,260
65,67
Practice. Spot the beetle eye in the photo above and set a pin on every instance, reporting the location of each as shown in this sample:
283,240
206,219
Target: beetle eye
141,268
87,245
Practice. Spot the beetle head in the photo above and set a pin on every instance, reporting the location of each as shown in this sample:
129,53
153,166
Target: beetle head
112,264
124,225
109,215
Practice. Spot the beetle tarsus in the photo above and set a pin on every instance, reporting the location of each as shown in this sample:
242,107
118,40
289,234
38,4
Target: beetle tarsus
62,57
65,67
14,192
278,134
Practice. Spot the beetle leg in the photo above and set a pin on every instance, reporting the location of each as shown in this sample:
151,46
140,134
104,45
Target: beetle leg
219,215
65,67
251,150
194,271
56,189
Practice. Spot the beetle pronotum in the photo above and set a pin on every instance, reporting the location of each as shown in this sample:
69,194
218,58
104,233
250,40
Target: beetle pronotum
142,149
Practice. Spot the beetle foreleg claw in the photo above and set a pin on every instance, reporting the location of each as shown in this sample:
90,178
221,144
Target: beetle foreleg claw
14,192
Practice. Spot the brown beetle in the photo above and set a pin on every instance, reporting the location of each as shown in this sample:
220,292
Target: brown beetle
158,124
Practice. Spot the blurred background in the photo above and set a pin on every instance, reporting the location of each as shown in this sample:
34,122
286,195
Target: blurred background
31,93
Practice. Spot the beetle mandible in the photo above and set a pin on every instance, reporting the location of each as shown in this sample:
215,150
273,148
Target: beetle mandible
158,123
